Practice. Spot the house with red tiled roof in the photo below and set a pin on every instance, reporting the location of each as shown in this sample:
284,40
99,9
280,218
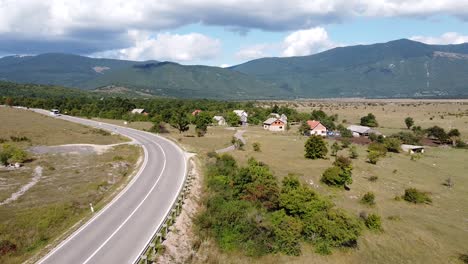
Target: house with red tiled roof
316,128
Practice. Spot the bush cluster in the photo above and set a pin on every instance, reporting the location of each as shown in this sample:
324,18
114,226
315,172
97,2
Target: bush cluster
248,210
413,195
340,174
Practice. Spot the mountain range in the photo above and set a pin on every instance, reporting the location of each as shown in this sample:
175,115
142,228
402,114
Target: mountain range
400,68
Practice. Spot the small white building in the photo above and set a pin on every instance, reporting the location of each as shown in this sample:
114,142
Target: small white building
243,115
359,131
139,111
316,128
411,149
219,120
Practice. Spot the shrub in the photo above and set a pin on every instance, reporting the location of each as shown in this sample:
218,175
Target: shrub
373,178
335,176
463,258
408,138
373,222
368,199
413,195
256,147
373,157
353,152
333,228
335,148
7,247
392,144
315,148
345,142
379,148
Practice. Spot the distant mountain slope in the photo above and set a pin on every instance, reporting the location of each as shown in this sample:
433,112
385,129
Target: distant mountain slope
175,80
56,68
144,78
401,68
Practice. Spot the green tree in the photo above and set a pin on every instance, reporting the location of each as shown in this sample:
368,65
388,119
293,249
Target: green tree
180,121
202,120
437,133
409,122
232,119
158,124
344,132
315,148
454,135
304,128
353,152
335,148
369,120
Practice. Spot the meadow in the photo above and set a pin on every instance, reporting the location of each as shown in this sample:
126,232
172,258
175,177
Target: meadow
412,233
436,233
69,182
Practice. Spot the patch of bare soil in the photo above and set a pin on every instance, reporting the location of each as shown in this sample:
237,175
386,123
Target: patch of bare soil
179,242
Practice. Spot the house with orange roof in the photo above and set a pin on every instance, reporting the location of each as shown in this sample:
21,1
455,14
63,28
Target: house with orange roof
316,128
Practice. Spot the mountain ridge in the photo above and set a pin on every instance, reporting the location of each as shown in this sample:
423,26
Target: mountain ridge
399,68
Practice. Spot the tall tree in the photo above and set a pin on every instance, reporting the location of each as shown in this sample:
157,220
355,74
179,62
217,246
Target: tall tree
180,121
369,120
409,122
315,148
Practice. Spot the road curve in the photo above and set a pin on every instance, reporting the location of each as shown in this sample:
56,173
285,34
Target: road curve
120,231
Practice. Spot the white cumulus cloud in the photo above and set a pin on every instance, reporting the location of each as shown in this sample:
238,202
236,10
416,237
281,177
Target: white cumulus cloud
173,47
306,42
298,43
446,38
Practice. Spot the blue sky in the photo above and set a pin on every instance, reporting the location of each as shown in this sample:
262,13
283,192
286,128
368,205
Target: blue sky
216,32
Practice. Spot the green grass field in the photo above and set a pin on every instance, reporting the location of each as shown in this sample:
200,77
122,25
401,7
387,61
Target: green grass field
69,182
435,233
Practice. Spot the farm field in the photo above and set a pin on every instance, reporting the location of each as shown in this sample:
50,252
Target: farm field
65,183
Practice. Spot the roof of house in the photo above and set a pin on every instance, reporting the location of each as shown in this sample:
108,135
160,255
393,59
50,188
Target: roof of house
218,118
313,124
363,130
406,147
271,120
240,112
138,111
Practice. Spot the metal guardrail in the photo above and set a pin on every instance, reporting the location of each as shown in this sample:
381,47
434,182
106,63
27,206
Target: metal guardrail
150,252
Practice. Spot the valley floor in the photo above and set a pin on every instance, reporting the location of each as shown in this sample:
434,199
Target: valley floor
435,233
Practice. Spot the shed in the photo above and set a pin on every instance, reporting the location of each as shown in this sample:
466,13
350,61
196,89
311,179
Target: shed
412,149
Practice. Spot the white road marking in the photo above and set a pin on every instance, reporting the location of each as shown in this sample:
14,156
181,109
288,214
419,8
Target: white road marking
133,212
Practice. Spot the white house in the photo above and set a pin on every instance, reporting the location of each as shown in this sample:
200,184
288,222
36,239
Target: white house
316,128
274,124
220,120
359,131
139,111
243,115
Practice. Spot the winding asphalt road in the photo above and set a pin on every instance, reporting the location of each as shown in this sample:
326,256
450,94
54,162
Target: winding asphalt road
120,231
